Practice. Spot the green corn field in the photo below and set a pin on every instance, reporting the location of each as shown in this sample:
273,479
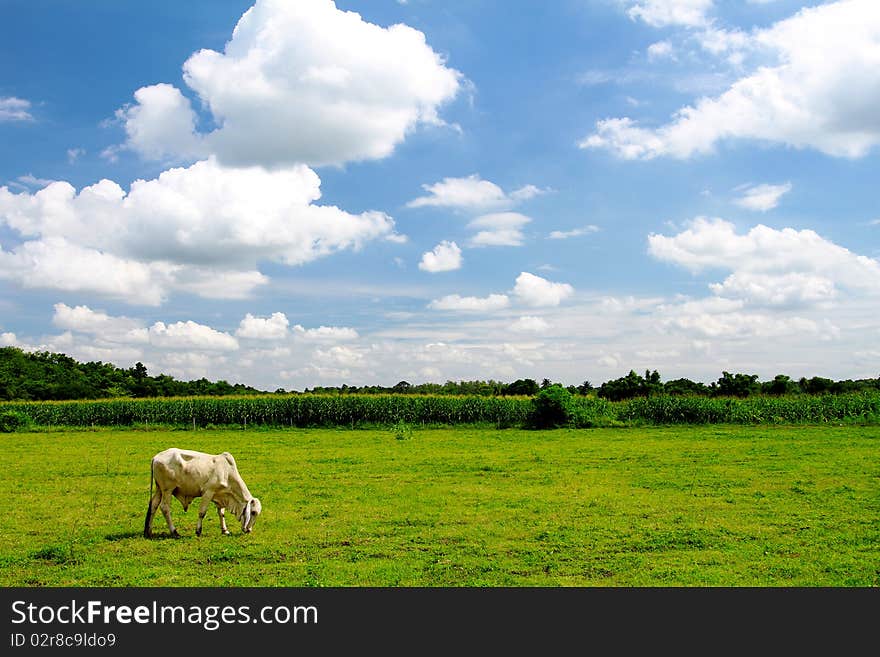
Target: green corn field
315,410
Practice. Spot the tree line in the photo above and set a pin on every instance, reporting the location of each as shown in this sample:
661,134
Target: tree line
43,375
627,387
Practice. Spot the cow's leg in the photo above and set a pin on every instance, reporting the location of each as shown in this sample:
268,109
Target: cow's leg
203,509
165,505
222,513
152,505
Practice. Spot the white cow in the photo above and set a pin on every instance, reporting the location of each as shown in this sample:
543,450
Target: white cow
186,474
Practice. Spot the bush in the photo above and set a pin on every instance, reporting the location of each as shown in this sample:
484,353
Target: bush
551,407
402,430
13,421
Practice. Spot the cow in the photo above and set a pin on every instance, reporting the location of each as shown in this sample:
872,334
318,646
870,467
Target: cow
186,475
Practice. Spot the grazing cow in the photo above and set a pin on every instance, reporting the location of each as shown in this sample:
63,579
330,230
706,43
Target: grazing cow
186,474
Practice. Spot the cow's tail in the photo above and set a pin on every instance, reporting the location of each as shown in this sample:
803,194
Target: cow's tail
149,504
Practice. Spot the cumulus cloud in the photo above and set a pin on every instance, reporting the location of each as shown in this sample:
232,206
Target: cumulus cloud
769,266
471,304
499,229
202,229
55,263
472,193
263,328
819,90
161,124
340,356
15,109
352,89
190,335
528,290
83,319
446,256
762,197
535,291
111,331
796,288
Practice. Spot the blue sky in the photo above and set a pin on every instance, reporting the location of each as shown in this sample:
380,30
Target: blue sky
297,194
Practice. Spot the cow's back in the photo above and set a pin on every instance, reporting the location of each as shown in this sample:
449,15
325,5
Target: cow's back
186,470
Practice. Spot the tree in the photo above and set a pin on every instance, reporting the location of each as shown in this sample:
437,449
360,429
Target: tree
780,385
737,385
527,387
631,385
685,387
551,407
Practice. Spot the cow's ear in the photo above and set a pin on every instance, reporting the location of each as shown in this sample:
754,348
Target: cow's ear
256,507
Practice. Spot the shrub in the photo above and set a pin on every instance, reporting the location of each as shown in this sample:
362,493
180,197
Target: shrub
402,430
13,421
551,407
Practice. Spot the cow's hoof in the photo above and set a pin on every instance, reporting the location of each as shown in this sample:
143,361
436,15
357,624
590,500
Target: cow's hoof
225,533
175,534
148,535
198,532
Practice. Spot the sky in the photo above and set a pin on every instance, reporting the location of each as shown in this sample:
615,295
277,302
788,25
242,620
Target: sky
297,194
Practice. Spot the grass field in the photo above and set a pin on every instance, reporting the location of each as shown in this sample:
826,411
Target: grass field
663,506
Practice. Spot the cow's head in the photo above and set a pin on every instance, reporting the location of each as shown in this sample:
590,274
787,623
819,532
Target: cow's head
249,514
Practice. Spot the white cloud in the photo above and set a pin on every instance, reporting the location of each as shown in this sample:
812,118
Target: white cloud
762,197
8,339
216,283
662,13
326,333
352,89
83,319
190,335
527,192
574,232
446,256
660,50
820,90
530,324
263,328
340,356
73,154
30,180
201,229
472,193
161,124
15,109
536,291
742,325
769,266
793,288
499,229
55,263
471,304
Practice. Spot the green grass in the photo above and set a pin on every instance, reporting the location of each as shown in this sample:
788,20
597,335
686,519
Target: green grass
662,506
